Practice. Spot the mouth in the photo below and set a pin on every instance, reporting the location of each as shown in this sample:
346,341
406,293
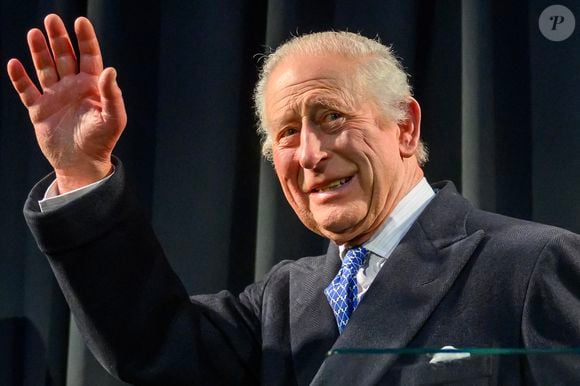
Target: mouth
333,185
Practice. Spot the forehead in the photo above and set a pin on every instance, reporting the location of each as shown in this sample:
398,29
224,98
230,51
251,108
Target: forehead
299,76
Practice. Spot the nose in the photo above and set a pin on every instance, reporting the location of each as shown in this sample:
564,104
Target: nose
311,151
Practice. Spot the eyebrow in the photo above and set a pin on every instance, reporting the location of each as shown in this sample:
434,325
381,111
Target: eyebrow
335,102
340,99
325,102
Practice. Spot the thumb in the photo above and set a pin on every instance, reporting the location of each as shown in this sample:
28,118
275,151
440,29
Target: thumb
112,98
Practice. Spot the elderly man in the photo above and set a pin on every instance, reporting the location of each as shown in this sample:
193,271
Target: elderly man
408,265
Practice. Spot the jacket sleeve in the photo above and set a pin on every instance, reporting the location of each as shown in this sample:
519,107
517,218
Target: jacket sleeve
131,308
551,314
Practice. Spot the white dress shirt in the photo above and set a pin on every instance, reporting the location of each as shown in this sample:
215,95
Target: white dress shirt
53,200
390,234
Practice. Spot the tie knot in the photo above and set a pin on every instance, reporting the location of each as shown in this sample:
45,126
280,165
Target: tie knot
355,257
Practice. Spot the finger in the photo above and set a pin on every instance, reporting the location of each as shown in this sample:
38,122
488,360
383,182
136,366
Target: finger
42,58
62,50
112,98
91,60
21,81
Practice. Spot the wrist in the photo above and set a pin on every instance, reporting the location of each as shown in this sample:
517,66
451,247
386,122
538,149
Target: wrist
71,179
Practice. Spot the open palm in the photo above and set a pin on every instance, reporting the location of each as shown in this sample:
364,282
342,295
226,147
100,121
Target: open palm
79,115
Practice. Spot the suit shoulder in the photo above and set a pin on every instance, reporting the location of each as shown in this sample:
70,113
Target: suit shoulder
303,263
514,231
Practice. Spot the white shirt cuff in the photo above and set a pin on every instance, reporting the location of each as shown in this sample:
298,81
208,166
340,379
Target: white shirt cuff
52,200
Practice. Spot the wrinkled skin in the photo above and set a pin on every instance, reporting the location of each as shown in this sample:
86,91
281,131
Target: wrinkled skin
79,114
342,165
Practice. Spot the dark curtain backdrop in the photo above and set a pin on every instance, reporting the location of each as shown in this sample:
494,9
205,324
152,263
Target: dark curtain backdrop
501,116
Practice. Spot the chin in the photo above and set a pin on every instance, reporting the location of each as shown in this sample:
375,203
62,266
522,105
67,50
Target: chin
343,223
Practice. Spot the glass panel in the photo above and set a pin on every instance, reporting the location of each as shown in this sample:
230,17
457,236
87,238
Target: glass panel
455,366
471,351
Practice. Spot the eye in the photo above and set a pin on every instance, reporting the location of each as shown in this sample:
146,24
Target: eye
288,132
332,116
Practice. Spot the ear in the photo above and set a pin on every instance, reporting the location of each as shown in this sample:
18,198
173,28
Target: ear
410,129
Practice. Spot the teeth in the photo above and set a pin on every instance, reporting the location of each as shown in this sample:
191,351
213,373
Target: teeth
333,185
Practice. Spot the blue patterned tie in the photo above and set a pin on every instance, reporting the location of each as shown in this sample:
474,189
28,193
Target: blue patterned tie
341,293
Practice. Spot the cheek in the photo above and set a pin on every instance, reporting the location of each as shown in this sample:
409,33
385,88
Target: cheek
282,164
376,170
386,181
288,174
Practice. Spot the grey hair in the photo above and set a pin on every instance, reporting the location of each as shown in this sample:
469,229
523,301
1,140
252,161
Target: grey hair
379,72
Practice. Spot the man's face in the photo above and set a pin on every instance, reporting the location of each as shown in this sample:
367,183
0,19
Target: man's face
339,162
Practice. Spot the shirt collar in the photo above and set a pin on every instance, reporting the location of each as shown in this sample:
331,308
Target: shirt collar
390,233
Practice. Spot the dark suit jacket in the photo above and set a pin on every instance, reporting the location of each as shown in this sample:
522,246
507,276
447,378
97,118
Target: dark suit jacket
460,277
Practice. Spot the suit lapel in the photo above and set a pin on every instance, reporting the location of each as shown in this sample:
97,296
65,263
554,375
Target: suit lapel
313,328
412,282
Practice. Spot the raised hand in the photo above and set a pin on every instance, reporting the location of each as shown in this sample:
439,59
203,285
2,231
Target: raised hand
79,115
